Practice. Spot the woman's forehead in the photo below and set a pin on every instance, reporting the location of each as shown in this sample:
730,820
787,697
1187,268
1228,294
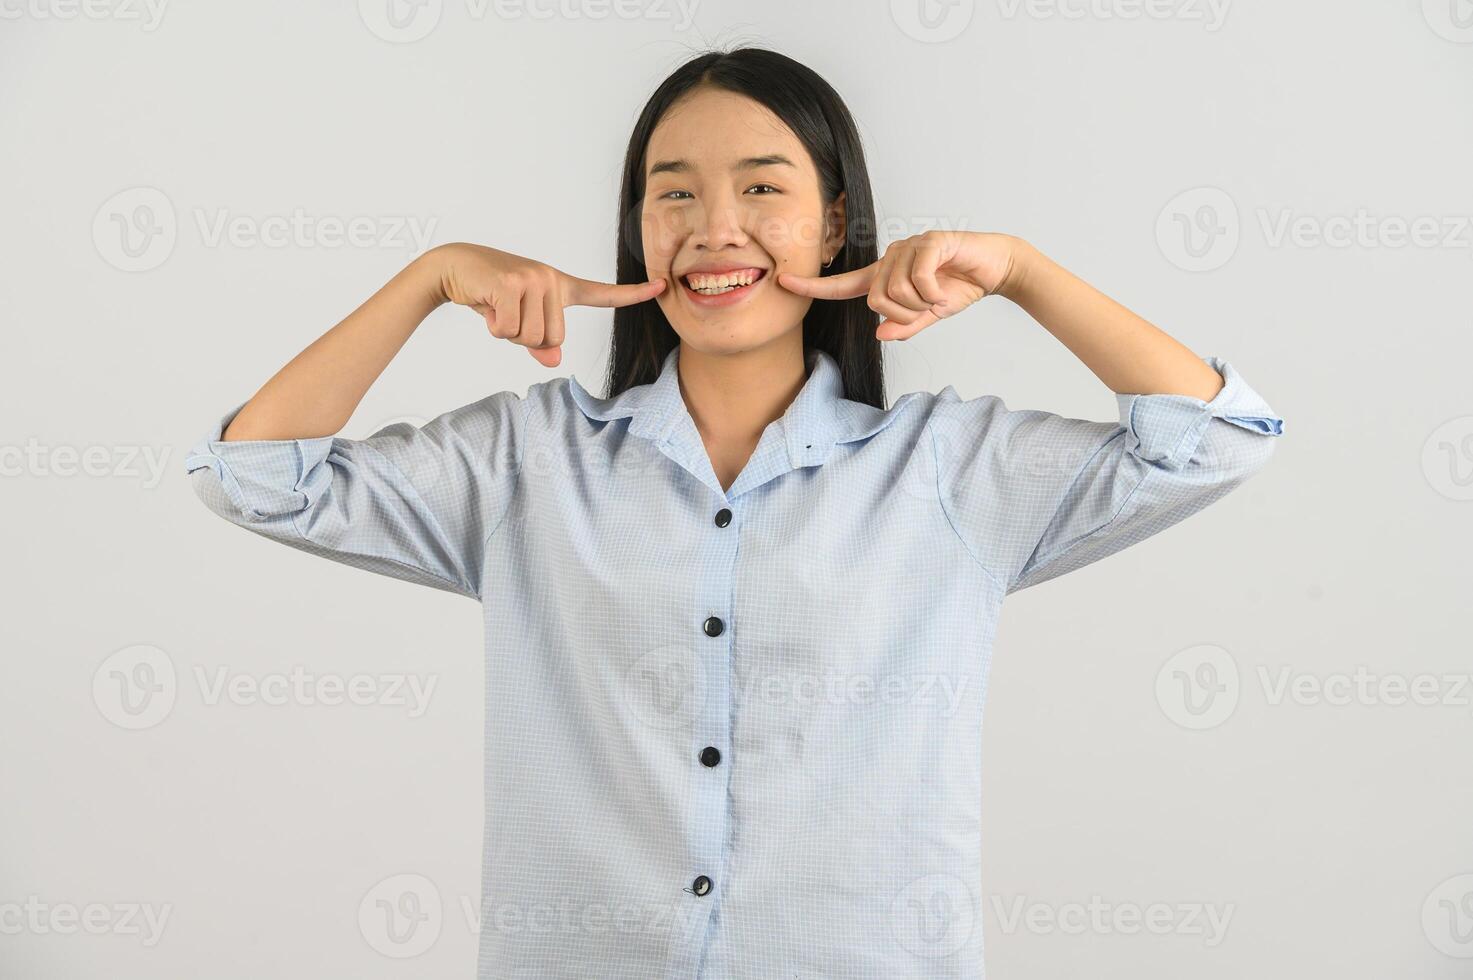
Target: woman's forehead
721,129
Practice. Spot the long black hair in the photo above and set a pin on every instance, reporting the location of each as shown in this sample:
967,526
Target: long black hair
811,108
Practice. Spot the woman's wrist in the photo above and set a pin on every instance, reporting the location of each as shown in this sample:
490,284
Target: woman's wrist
430,269
1023,258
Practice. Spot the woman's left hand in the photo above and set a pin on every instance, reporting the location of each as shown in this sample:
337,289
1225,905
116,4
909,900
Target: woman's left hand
922,279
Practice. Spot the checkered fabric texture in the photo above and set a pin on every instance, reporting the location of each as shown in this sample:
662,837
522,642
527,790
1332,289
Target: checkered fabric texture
734,735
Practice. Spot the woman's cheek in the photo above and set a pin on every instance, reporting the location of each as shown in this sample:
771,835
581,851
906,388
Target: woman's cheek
661,238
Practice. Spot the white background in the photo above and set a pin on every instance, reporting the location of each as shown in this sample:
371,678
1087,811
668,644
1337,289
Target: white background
1333,835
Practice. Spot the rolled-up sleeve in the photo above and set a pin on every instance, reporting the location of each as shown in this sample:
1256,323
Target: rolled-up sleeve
417,503
1034,495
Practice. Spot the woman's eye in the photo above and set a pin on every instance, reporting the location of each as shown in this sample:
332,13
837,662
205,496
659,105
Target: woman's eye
670,195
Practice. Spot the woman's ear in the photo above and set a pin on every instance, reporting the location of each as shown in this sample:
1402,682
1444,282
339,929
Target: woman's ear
836,222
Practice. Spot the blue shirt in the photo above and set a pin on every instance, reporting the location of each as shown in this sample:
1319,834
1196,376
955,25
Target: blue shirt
736,734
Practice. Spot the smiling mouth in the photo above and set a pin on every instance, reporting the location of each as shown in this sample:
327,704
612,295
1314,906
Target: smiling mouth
720,290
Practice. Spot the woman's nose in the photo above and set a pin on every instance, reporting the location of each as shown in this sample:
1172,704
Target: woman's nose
723,222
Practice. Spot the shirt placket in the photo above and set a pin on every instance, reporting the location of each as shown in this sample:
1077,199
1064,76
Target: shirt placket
713,643
708,752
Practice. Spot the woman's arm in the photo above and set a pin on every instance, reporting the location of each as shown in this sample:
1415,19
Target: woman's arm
1033,494
413,502
925,278
318,390
521,299
1124,351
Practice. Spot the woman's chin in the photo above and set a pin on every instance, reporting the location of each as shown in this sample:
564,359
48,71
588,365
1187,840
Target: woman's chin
728,338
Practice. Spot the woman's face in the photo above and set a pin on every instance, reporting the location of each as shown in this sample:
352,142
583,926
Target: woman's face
730,189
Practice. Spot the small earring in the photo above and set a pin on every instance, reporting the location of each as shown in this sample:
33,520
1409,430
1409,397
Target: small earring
830,262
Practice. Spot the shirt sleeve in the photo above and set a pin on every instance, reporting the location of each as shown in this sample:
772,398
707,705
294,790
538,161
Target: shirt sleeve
1034,495
417,503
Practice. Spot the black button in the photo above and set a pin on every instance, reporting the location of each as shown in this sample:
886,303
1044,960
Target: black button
723,517
713,626
710,756
701,885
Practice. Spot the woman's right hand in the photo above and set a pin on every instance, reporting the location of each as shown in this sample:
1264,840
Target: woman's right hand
522,299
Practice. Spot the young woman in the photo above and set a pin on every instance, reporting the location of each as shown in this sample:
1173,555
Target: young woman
738,613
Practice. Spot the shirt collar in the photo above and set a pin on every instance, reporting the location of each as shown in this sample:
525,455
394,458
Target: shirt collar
814,422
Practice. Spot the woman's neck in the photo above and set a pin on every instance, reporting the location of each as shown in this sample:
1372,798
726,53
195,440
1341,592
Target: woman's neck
733,397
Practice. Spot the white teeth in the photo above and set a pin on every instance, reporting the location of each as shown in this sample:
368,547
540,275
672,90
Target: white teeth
708,285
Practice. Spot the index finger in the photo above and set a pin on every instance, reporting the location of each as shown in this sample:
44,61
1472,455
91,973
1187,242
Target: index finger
846,285
589,292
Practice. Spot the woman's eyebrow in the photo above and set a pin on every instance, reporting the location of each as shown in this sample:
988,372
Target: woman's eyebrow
746,163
